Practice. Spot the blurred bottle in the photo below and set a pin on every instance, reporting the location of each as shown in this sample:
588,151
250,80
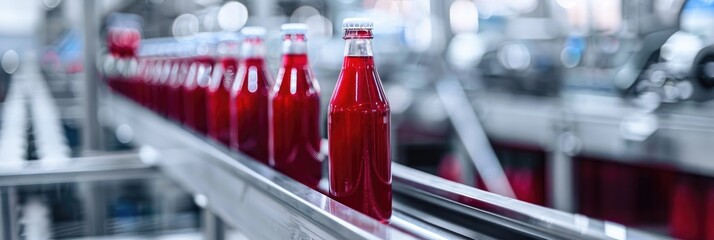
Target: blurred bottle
161,80
295,113
145,64
687,212
149,82
358,129
451,169
122,38
621,179
709,215
123,34
196,84
137,84
250,97
179,72
219,88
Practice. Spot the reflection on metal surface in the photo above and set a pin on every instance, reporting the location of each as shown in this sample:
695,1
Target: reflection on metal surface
615,231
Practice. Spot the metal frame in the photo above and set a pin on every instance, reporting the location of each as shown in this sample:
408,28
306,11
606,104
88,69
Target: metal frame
105,167
9,228
91,134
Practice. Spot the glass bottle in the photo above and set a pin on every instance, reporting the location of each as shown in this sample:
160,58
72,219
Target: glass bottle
161,82
295,112
196,84
249,97
123,40
179,72
219,89
358,129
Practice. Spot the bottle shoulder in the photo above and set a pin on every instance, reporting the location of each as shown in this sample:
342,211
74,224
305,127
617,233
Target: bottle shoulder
252,78
296,80
359,87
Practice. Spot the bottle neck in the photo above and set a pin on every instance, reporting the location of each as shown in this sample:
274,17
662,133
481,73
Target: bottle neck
206,50
252,48
258,62
294,59
294,44
228,49
358,43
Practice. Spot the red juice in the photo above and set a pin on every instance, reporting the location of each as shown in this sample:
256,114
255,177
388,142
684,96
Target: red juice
137,83
154,75
149,83
138,88
224,73
161,86
195,89
358,129
179,72
687,211
295,113
709,210
250,97
129,76
112,78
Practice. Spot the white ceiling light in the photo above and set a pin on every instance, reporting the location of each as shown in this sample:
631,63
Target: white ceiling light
463,16
232,16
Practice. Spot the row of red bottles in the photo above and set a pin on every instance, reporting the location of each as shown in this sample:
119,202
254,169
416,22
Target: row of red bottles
224,91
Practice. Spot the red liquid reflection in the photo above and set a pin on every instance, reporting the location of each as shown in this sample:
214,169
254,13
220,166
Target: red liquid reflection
295,126
219,99
358,133
249,109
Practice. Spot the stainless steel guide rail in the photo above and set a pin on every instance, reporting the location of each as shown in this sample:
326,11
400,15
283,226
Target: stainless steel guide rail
529,220
265,204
